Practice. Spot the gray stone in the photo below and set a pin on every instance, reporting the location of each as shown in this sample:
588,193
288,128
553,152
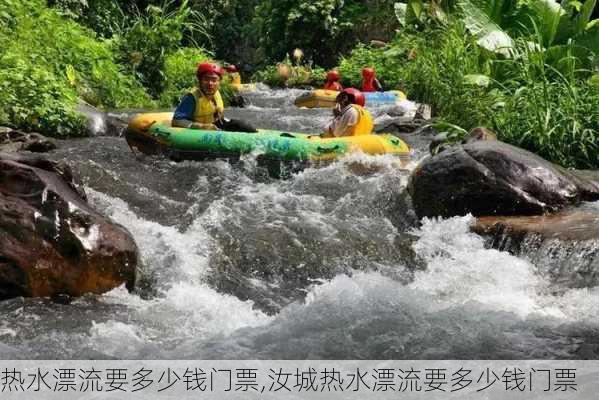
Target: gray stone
494,178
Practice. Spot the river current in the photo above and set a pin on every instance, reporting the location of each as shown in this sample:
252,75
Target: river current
328,264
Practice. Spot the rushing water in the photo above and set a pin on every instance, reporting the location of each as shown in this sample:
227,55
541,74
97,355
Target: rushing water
328,264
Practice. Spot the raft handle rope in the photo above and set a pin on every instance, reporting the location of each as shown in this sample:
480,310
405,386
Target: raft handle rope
148,126
328,149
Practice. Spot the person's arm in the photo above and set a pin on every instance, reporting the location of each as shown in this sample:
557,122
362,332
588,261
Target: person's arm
378,86
328,131
183,116
349,121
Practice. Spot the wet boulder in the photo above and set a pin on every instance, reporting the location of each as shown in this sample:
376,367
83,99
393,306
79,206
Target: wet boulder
100,123
52,242
494,178
12,140
564,246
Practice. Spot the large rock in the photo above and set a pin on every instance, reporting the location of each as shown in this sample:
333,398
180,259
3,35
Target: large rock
564,246
495,178
100,123
51,241
12,140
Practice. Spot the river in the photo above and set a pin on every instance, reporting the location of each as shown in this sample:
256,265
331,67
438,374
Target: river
329,264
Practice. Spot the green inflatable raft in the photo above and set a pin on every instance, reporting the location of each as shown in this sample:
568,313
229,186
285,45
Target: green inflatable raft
153,134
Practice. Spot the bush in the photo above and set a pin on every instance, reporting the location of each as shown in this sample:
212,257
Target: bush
314,25
46,62
105,17
526,100
152,37
180,74
437,74
553,115
285,74
35,99
388,63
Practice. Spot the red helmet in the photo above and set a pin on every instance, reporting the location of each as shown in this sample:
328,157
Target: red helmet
208,68
333,76
355,96
231,68
368,73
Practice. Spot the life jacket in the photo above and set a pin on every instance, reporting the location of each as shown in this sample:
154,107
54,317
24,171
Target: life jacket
207,110
333,85
365,124
368,85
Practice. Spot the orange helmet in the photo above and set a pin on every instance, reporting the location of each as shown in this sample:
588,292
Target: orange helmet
208,68
355,96
368,73
231,68
333,76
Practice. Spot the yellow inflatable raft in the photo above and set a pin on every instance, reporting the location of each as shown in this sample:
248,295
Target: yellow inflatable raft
322,98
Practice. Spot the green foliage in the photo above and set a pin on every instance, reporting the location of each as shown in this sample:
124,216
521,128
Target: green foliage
44,53
322,28
105,17
388,63
35,99
231,30
552,114
180,74
439,75
154,34
498,22
285,74
539,99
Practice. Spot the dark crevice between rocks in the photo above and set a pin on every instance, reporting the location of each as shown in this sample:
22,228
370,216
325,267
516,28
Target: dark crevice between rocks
13,280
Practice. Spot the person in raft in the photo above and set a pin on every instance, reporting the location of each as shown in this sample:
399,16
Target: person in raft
369,81
233,74
332,82
203,107
350,118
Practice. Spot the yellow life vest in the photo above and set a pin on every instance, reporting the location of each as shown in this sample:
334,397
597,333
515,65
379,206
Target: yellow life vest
207,110
365,124
235,78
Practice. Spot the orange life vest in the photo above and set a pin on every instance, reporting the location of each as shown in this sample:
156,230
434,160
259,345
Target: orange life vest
333,86
368,85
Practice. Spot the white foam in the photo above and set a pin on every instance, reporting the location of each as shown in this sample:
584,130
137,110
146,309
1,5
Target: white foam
161,247
460,270
186,307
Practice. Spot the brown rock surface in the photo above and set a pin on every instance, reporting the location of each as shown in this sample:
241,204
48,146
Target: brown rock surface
573,225
13,140
564,246
51,241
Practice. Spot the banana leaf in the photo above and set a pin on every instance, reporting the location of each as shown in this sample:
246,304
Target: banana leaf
590,38
489,34
575,20
401,11
541,17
